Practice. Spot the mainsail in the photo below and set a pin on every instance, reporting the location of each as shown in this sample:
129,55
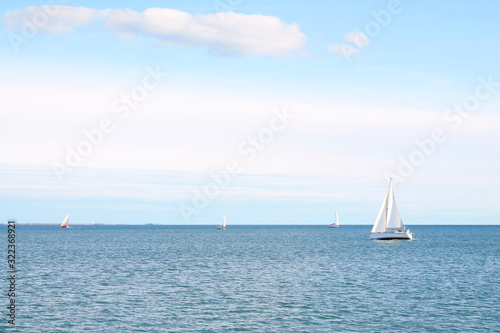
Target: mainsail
337,219
224,220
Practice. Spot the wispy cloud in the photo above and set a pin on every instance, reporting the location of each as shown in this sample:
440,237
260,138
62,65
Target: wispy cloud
343,50
228,32
51,19
356,40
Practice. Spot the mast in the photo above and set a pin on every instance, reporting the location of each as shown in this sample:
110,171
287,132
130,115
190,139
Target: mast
387,203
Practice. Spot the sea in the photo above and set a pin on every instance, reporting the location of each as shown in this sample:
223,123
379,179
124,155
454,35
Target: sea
159,278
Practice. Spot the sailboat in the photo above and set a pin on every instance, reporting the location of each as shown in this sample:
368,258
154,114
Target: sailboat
65,222
336,224
389,224
223,224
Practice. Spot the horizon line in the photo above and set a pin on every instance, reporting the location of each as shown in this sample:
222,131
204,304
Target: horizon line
194,225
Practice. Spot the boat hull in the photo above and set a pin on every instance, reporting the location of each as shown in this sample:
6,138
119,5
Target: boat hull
332,226
391,235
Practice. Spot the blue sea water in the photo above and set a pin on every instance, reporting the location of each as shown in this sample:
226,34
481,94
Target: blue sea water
254,279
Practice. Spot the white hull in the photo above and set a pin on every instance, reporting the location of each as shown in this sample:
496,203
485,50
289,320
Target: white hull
333,226
220,227
392,235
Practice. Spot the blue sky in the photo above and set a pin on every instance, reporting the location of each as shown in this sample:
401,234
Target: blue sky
371,90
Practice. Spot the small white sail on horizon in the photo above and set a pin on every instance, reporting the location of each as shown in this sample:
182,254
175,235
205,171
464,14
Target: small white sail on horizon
223,224
389,224
336,223
65,222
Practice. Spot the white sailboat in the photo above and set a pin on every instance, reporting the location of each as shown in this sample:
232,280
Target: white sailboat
389,224
336,224
223,224
65,222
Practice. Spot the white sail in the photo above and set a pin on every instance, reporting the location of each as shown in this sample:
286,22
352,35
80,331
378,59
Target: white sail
223,224
380,222
65,222
337,219
393,218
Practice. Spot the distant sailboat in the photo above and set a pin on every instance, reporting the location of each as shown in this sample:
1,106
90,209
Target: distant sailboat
223,224
336,224
65,222
389,224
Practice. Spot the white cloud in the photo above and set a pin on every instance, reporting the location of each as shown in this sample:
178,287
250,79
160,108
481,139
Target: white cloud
225,32
183,128
357,38
53,19
343,50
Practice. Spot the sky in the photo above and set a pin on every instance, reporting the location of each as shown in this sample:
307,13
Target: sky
271,112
